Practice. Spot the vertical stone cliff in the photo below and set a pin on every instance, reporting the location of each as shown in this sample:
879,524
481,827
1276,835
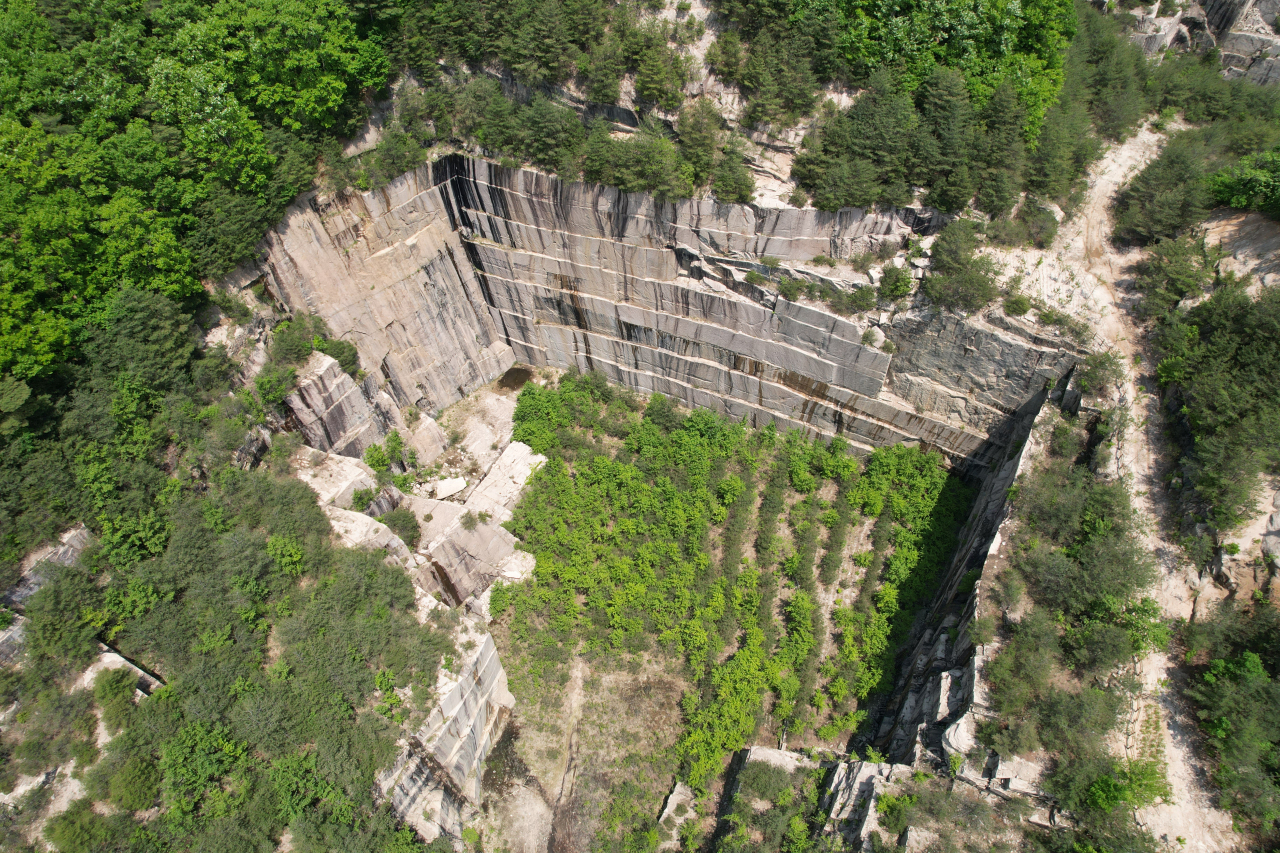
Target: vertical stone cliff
454,271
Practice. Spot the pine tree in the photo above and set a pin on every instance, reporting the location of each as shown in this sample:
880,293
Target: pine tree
699,128
599,154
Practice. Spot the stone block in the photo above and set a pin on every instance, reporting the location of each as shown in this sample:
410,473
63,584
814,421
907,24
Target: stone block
335,479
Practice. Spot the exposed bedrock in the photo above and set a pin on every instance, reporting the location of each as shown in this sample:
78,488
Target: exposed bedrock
1242,31
454,271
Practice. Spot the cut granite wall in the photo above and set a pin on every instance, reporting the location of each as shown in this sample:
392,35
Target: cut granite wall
453,272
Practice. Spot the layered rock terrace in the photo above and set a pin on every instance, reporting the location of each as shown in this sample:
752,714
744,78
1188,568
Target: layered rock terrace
453,272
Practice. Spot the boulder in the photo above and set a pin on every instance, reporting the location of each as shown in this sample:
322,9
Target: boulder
434,516
427,440
499,491
357,530
463,563
385,501
250,452
335,479
1271,538
331,411
449,487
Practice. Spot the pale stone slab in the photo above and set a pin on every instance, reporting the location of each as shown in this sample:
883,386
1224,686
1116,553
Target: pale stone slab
449,487
335,479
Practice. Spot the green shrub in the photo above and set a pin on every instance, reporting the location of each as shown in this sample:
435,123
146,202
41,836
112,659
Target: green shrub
1101,370
343,352
274,383
113,691
1016,305
895,283
135,786
404,523
959,279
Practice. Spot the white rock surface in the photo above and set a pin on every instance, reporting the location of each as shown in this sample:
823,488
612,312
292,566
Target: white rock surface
335,479
357,530
499,491
449,487
673,815
109,660
443,515
331,411
463,563
437,775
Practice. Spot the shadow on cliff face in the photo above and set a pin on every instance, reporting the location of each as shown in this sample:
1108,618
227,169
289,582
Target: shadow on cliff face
504,768
514,379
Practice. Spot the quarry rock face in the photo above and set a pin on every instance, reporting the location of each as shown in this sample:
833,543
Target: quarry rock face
434,784
1243,31
435,780
499,491
452,272
335,479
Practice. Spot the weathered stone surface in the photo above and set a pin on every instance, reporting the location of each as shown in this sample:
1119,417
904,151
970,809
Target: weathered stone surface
144,685
70,545
427,440
385,501
357,530
780,758
387,270
331,411
436,778
451,271
499,491
443,515
335,479
255,445
851,795
12,640
675,811
464,563
1271,539
1244,33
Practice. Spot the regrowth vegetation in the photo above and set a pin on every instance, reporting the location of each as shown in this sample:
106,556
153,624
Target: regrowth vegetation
280,654
1060,681
639,522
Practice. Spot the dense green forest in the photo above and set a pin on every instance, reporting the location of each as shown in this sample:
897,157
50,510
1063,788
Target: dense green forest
626,520
279,653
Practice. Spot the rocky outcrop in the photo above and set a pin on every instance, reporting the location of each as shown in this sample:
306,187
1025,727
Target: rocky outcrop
500,489
33,572
334,479
1243,32
435,781
330,411
451,272
851,796
334,413
436,778
357,530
